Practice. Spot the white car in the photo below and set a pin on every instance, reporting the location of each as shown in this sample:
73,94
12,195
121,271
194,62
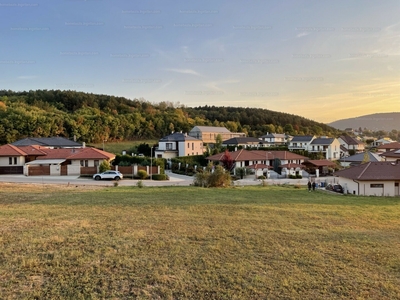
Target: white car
115,175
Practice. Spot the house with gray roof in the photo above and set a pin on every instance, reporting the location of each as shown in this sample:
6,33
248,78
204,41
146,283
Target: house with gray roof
350,143
244,142
178,144
300,142
371,179
359,158
329,147
274,139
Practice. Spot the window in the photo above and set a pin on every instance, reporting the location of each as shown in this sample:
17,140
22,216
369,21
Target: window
192,146
169,146
188,145
81,163
376,185
10,160
86,163
15,160
96,163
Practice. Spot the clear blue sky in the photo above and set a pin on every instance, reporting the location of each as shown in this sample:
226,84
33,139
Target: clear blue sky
324,60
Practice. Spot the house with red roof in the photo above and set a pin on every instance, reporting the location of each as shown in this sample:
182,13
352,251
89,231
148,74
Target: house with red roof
371,179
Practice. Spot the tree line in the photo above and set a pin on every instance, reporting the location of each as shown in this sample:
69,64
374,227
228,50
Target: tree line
92,118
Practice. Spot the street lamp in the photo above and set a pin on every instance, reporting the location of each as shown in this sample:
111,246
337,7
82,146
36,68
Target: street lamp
151,163
103,143
266,162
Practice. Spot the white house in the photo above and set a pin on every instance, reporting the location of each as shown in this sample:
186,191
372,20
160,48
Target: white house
208,134
371,179
300,142
350,143
178,144
330,147
274,139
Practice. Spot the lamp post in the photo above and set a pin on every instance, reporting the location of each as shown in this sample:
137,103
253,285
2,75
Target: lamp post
103,143
266,162
151,163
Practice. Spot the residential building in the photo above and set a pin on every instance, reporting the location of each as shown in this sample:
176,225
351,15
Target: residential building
245,142
300,142
371,179
49,142
382,141
208,134
350,143
359,158
178,144
329,147
274,139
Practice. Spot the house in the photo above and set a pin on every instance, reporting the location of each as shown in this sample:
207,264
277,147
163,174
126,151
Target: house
300,142
371,179
388,147
351,144
274,139
208,134
178,144
329,147
49,142
40,160
359,158
382,141
275,159
393,155
244,142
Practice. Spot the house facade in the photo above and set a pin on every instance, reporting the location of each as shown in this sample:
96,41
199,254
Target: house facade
178,144
274,139
329,147
350,143
208,134
300,142
245,142
371,179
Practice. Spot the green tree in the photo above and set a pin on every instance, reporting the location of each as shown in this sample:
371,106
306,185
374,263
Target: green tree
104,166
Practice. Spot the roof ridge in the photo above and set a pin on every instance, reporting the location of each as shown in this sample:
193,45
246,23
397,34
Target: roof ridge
365,169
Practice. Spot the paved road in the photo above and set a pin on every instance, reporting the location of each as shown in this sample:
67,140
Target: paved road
175,180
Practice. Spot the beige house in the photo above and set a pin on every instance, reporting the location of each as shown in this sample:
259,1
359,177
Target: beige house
178,144
208,134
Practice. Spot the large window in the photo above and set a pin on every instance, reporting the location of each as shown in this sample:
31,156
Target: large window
10,160
169,146
376,185
15,160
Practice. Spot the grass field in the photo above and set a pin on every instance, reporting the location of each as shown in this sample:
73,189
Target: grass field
193,243
118,147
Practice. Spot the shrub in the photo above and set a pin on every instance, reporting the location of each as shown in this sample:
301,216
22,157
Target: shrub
160,177
240,172
261,177
115,183
142,174
104,166
299,176
219,178
140,184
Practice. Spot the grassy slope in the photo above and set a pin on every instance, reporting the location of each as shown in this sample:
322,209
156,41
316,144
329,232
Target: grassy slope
187,242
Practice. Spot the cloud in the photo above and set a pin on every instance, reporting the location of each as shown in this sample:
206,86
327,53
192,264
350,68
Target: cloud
27,77
301,34
184,71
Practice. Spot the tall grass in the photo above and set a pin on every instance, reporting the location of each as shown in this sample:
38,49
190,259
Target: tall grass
196,243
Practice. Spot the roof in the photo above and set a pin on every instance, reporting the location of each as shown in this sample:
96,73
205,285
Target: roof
211,129
177,137
319,162
33,150
372,171
359,157
394,145
10,150
302,138
393,153
46,162
322,141
273,135
48,142
91,153
350,140
247,155
242,140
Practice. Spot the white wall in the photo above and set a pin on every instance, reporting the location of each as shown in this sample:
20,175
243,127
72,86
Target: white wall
4,161
364,187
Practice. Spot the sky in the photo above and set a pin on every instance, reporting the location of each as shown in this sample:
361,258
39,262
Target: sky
323,60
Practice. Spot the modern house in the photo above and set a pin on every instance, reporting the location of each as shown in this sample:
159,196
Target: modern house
393,155
382,141
300,142
274,139
244,142
329,147
389,147
208,134
178,144
371,179
351,144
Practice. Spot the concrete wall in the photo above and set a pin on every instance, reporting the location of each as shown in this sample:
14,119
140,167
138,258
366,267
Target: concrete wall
364,187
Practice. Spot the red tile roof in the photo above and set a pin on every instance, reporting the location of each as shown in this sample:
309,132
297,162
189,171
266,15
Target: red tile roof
92,153
319,162
394,145
251,155
372,171
10,150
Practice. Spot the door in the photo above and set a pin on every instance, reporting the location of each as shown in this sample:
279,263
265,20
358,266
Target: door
396,189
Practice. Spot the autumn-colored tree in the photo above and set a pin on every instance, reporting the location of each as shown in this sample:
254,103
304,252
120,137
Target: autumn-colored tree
227,161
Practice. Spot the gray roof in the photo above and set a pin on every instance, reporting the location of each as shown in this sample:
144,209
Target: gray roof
57,142
272,135
350,140
359,157
242,140
372,171
177,137
302,138
322,141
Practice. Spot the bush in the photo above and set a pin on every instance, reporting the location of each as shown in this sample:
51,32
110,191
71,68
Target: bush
104,166
160,177
140,184
299,176
142,174
262,177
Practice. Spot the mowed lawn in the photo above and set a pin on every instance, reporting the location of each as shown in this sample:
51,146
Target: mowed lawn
59,242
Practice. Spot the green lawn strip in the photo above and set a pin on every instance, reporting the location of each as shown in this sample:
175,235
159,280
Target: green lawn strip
187,242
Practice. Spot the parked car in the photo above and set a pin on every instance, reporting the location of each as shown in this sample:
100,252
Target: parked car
114,175
335,188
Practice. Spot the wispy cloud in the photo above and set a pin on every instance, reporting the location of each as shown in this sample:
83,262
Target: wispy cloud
301,34
25,77
184,71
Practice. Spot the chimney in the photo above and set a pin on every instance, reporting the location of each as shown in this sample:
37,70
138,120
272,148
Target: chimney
83,145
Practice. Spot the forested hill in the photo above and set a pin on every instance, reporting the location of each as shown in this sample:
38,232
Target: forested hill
93,118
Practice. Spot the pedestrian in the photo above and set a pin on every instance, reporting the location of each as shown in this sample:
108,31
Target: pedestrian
313,186
309,185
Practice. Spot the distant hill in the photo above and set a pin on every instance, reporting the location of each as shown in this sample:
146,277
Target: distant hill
375,122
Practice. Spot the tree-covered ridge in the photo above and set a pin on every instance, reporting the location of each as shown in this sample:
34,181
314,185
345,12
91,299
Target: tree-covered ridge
93,118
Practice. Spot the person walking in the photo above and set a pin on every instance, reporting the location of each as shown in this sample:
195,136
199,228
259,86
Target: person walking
309,185
313,186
